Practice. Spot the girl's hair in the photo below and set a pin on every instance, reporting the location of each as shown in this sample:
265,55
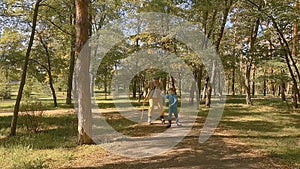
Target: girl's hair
172,89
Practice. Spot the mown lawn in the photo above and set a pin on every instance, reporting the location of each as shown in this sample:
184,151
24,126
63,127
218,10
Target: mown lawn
270,126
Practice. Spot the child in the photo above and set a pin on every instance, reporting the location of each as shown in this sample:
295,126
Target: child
173,102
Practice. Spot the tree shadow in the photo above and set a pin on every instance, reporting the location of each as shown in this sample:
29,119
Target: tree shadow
254,125
215,153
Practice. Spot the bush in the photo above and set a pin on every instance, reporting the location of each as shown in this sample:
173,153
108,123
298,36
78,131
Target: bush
4,87
33,112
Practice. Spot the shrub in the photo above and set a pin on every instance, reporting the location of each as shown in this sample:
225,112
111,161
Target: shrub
4,87
32,113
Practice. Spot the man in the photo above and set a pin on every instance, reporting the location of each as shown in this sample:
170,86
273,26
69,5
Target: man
155,92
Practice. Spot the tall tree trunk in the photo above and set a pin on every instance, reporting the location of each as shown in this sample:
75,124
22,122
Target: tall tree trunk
295,43
241,75
265,84
51,82
199,81
295,31
253,82
49,71
294,96
134,87
25,67
227,4
234,62
105,87
210,85
198,72
192,93
282,91
247,85
72,59
233,81
82,73
249,62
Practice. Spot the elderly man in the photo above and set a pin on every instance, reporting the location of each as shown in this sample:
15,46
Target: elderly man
155,92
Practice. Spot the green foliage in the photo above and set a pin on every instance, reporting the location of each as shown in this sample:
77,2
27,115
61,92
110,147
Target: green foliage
4,88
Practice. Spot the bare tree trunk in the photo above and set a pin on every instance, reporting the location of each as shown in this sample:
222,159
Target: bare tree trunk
105,87
205,88
265,84
82,73
25,67
49,71
295,44
295,90
72,59
247,85
253,82
294,96
282,91
134,87
210,85
228,4
242,84
199,81
233,82
249,62
192,93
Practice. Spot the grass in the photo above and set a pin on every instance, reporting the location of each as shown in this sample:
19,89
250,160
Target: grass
55,142
270,126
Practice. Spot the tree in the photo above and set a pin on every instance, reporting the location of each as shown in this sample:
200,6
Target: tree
23,79
227,5
82,73
72,55
279,24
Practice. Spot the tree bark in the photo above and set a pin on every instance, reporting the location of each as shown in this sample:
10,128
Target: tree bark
72,59
265,84
134,87
49,71
228,4
233,81
282,90
247,85
253,82
25,67
82,73
294,96
249,62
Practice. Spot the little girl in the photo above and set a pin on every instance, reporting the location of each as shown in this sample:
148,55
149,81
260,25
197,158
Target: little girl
173,103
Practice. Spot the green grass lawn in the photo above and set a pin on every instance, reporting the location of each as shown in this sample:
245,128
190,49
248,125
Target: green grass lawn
270,126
